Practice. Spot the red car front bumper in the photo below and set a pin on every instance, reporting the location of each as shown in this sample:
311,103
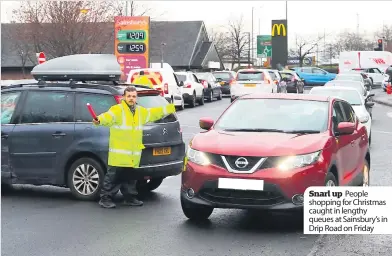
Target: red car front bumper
279,187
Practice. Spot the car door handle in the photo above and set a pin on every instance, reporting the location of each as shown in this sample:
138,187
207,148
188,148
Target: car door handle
57,134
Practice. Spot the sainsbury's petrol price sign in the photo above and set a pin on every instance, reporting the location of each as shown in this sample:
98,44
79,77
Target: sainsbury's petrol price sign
132,46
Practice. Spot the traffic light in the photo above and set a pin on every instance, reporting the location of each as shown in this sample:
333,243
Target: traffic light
380,45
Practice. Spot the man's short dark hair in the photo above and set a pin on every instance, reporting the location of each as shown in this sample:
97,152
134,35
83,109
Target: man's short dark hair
130,89
141,73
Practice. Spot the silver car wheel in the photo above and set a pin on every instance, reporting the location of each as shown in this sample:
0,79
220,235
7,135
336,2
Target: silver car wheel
85,179
330,183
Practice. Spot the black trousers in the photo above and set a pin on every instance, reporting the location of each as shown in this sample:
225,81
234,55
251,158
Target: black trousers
117,178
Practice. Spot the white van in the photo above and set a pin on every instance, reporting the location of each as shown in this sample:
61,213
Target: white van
364,59
164,80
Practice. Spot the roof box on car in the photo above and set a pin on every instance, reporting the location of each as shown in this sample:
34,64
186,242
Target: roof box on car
79,67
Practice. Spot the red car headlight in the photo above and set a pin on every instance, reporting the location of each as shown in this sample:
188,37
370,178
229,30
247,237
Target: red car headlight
298,161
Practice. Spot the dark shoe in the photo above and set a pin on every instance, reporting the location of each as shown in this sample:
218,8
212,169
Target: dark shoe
107,203
132,202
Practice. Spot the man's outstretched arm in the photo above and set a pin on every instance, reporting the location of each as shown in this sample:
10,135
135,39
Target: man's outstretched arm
110,117
154,114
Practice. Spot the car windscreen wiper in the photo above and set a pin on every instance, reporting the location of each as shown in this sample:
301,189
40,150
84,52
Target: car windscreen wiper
303,131
253,130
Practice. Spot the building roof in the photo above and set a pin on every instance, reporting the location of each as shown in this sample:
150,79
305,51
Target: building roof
180,37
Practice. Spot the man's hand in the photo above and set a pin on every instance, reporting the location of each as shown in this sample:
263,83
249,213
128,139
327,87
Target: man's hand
96,121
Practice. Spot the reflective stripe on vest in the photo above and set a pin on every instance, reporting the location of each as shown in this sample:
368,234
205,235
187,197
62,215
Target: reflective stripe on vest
125,152
124,126
148,115
113,116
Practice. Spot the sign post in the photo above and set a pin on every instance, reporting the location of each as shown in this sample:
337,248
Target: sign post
132,43
41,57
264,46
279,42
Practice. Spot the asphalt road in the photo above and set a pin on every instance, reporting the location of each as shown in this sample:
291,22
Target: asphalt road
46,221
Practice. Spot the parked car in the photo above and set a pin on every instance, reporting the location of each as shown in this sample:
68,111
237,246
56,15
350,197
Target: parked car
362,106
265,150
225,78
193,90
354,76
313,75
375,75
252,81
349,83
294,83
212,88
366,79
275,76
164,80
48,137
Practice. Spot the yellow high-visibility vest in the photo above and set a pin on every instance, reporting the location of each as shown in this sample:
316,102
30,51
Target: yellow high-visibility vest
126,131
143,80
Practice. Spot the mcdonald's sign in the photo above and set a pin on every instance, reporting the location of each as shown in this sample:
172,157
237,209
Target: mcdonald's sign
278,28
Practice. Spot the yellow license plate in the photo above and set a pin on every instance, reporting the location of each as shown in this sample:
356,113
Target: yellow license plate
161,151
222,83
249,85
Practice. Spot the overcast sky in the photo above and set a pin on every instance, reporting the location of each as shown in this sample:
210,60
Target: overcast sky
306,18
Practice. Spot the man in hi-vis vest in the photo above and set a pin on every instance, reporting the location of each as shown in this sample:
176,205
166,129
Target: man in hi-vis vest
143,80
126,122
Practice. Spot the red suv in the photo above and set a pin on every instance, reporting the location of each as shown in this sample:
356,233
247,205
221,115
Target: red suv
265,150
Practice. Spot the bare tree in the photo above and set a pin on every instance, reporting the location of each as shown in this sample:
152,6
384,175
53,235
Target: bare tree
385,32
21,46
347,41
238,40
135,9
221,42
62,28
304,47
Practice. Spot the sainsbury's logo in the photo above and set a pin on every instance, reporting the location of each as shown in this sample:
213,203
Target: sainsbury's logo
132,22
378,61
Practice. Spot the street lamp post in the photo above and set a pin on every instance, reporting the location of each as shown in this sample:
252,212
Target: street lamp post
248,48
252,34
162,45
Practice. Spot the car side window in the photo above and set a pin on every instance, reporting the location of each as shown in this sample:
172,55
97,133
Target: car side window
337,116
100,102
272,74
376,70
48,107
348,112
8,105
176,79
318,71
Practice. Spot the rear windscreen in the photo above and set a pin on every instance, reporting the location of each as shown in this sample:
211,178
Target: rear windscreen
181,78
250,76
223,75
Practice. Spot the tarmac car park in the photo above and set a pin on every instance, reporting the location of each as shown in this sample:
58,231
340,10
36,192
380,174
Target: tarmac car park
48,137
